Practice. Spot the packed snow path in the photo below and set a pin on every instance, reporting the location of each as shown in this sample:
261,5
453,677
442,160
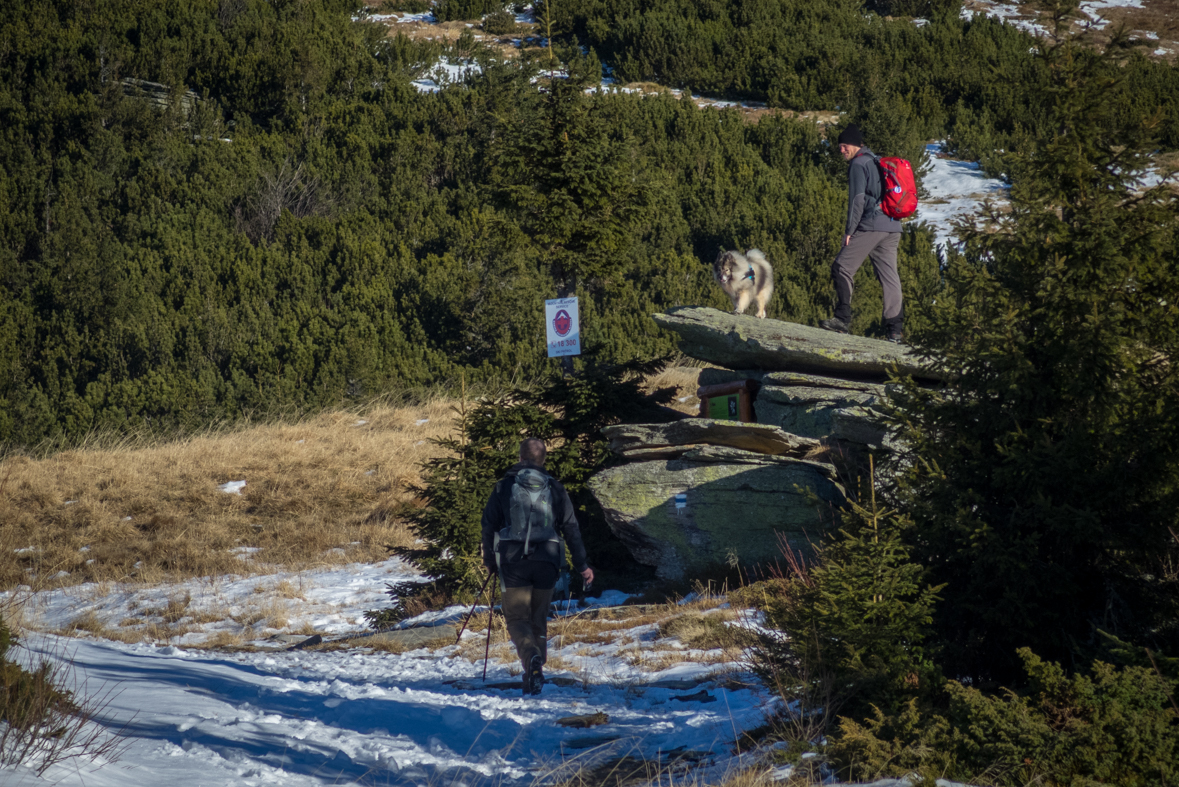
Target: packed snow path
361,716
197,718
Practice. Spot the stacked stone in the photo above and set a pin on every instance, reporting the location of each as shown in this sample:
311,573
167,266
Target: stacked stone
701,492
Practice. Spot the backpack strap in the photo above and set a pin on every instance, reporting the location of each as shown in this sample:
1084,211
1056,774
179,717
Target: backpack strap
882,180
528,533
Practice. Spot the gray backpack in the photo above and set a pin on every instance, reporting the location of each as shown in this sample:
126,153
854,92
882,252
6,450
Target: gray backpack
530,517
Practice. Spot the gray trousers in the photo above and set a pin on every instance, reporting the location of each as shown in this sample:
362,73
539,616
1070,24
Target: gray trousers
881,248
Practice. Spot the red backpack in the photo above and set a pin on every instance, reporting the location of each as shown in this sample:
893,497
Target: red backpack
900,189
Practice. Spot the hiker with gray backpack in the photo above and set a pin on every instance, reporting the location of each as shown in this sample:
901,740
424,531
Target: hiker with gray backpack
523,523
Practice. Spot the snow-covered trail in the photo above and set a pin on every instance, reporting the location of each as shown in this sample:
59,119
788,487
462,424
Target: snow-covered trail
197,718
362,716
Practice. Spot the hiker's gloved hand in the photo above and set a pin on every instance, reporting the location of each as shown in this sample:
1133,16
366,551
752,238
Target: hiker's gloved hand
491,569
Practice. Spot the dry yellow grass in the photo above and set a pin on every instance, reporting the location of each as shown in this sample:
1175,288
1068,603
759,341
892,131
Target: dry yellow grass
699,630
685,379
326,490
222,640
391,646
507,46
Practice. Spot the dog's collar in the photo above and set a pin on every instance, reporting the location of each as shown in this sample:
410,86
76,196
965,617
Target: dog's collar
749,275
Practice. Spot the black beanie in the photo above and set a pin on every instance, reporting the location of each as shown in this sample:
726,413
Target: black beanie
851,136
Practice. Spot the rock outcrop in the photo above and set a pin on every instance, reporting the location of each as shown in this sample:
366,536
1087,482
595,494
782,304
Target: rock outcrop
701,491
815,406
714,504
674,439
738,341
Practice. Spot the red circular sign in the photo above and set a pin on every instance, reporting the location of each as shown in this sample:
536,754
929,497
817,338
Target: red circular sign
562,323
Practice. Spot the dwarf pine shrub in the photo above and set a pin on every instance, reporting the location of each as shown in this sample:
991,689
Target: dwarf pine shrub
26,698
340,234
40,722
1115,726
500,22
451,10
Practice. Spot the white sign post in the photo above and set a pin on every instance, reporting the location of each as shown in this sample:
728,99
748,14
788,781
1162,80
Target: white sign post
562,329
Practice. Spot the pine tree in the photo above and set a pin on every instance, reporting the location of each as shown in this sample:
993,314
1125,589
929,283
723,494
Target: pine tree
1044,479
571,180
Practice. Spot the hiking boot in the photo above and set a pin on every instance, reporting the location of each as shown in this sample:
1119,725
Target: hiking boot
895,336
835,324
534,679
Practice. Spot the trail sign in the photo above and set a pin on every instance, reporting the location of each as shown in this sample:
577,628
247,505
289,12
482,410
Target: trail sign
562,328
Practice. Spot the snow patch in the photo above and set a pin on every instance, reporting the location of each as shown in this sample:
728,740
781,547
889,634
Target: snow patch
426,17
1093,9
1010,15
948,178
444,73
955,190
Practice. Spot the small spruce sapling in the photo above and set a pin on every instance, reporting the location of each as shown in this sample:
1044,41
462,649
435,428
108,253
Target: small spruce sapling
854,622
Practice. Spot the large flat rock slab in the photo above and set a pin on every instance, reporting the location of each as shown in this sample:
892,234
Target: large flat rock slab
822,413
668,440
814,381
738,341
713,504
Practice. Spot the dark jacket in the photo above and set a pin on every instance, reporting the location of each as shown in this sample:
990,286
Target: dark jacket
495,518
864,191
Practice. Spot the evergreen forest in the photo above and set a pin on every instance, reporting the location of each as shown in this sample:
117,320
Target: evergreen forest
214,209
280,221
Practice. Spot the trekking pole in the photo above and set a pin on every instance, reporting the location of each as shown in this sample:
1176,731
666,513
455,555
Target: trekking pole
472,612
490,617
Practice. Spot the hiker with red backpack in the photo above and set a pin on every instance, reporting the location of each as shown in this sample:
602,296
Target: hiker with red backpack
880,193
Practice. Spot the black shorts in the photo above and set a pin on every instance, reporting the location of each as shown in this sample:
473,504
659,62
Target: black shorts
540,574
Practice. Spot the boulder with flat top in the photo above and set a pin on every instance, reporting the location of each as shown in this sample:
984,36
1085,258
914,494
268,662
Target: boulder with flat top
700,491
715,504
738,341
